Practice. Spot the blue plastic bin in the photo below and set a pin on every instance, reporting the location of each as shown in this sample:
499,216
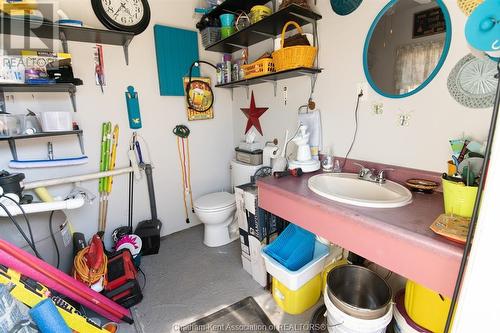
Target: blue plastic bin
294,248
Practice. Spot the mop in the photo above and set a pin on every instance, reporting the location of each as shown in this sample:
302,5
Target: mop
103,165
108,182
182,132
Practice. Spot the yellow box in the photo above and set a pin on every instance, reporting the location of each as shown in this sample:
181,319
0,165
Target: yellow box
426,307
12,8
298,301
327,270
458,198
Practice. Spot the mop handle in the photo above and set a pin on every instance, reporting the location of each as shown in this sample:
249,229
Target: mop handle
112,164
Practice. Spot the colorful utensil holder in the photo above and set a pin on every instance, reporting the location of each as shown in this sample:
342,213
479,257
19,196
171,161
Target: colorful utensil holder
458,198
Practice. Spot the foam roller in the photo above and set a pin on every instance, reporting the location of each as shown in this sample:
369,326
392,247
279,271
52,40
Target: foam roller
47,318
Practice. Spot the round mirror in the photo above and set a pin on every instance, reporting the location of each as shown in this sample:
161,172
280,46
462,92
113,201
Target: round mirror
406,46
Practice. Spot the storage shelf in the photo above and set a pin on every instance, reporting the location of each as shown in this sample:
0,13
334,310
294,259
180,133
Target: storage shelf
39,135
12,139
50,87
273,77
232,6
48,30
268,27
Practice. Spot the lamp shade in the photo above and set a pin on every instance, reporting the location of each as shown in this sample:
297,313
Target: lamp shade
482,29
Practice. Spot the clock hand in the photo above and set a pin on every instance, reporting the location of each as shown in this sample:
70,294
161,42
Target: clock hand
118,10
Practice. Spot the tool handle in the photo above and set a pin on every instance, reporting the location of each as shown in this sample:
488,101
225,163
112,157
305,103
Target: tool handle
151,191
139,152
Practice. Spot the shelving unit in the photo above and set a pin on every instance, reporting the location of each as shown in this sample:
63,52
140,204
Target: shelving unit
12,139
49,30
268,28
56,87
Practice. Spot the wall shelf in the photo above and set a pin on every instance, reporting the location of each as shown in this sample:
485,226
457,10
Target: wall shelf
12,139
54,87
269,27
232,6
273,77
49,30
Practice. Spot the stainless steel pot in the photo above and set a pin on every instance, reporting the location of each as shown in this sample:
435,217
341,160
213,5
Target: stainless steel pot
359,292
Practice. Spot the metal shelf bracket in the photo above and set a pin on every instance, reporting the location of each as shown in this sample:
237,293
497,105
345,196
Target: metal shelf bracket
275,85
72,96
125,51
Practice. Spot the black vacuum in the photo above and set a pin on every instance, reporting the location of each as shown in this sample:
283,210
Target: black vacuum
149,230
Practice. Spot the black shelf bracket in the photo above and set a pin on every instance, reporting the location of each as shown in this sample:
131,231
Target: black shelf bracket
125,51
64,41
72,97
275,85
80,141
13,149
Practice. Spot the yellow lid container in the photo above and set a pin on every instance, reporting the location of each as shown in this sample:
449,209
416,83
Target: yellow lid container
298,301
17,7
426,307
458,198
327,270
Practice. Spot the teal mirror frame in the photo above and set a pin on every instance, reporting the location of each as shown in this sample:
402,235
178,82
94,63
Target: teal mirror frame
434,72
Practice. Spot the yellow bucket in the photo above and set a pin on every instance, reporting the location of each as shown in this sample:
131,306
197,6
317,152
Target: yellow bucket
297,301
259,12
458,198
327,270
425,307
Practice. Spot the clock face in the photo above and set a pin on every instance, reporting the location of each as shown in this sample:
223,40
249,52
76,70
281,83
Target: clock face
124,15
124,12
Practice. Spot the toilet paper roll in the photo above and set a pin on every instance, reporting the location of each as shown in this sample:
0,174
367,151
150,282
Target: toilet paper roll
269,153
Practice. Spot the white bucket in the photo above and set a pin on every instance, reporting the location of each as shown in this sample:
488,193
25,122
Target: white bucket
340,322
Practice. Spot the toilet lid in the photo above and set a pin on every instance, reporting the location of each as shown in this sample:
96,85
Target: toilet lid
214,201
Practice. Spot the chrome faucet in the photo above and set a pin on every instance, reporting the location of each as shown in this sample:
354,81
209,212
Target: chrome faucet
371,175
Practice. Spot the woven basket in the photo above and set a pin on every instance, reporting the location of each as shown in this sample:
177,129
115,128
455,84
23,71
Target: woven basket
293,56
258,68
468,6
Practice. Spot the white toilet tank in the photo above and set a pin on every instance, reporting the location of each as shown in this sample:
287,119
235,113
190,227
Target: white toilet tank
241,173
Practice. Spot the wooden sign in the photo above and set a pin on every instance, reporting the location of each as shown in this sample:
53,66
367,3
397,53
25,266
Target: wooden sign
428,22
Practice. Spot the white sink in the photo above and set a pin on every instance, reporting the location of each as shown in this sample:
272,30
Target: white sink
348,188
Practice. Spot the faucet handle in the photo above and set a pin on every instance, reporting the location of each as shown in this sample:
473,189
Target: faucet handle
381,174
363,171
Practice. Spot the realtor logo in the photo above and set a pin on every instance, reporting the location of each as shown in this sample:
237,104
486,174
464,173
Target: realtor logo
28,25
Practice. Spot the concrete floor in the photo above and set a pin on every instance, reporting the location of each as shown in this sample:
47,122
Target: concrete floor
187,281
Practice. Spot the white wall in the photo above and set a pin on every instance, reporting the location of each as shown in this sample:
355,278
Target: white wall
211,141
435,116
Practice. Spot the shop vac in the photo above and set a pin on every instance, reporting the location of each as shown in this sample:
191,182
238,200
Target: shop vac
149,230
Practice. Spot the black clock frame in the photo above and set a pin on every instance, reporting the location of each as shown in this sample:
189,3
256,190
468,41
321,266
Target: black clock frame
111,24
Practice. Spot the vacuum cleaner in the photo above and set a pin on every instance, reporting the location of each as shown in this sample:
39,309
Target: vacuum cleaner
149,230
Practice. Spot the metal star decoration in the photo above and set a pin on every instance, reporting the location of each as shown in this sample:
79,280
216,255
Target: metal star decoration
253,114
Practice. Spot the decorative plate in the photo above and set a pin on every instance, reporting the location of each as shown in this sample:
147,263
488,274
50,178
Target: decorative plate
421,185
472,82
345,7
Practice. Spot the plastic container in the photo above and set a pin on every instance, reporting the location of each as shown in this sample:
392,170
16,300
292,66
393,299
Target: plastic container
426,307
340,322
259,12
227,20
293,248
458,198
210,35
56,121
327,270
294,280
9,125
226,32
402,322
297,301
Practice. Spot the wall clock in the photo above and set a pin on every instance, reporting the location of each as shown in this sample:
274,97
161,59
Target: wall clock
124,15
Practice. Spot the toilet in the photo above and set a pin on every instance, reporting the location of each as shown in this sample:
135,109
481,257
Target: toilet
217,210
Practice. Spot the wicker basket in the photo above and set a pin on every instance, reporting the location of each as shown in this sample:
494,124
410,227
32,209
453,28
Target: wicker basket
258,68
468,6
294,56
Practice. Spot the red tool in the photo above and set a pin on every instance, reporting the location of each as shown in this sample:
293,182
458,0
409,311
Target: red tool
95,256
295,172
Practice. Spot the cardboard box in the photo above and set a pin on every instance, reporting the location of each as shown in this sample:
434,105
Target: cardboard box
254,224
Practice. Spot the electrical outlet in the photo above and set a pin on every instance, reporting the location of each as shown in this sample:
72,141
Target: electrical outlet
362,87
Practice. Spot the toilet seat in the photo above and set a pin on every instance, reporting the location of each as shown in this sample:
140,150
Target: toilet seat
215,202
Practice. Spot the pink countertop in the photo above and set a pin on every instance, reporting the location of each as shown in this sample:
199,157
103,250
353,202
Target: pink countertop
398,239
